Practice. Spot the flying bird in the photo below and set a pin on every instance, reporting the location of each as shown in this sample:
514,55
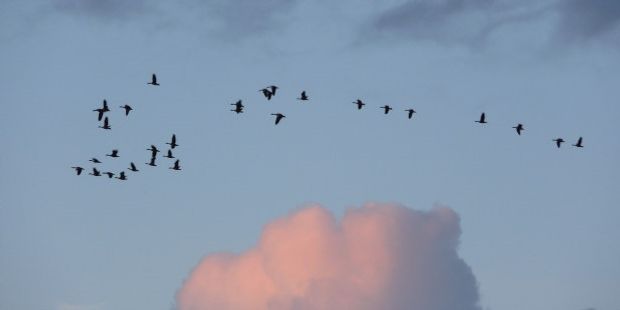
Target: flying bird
78,170
279,117
127,109
106,124
410,113
95,172
121,176
238,104
109,174
133,168
386,109
153,150
482,119
94,160
153,80
267,93
303,96
558,142
152,162
578,144
169,155
238,109
102,110
114,154
519,128
176,166
173,141
273,89
359,103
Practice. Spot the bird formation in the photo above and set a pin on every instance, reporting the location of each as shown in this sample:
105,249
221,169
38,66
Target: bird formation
101,116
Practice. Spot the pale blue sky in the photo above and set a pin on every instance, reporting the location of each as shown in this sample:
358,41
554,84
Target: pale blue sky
539,224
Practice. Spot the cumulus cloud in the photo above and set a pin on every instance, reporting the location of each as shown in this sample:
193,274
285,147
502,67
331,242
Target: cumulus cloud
376,257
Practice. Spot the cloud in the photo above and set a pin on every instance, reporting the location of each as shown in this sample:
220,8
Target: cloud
104,9
586,20
377,257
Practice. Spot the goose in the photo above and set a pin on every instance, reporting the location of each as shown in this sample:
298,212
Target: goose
114,154
386,109
78,170
106,124
95,172
303,96
121,176
132,167
94,160
268,94
519,128
127,109
110,174
173,141
169,155
482,119
176,166
152,162
410,113
279,117
153,80
558,142
359,103
579,142
153,150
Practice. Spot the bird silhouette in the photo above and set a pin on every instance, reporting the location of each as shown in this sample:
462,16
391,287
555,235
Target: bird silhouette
579,142
169,155
279,117
102,110
359,103
273,89
121,176
132,167
267,93
94,160
109,174
410,113
238,109
173,141
153,150
78,170
519,128
127,109
303,96
176,166
153,80
152,162
558,142
482,119
238,104
106,124
386,109
95,172
114,154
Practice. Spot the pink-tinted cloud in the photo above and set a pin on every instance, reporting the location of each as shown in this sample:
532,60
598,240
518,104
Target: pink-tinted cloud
377,257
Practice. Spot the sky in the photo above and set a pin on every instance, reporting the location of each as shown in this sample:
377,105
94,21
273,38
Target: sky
532,226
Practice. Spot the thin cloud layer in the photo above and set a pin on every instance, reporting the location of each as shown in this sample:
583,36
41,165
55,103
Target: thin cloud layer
584,20
376,257
105,9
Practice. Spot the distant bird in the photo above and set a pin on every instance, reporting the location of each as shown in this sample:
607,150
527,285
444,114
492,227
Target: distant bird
133,168
267,93
238,104
238,109
519,128
273,89
173,141
558,142
78,170
106,124
121,176
94,160
169,155
114,154
410,113
95,172
578,144
102,110
110,174
127,109
482,119
279,117
176,166
303,96
359,103
386,109
152,162
153,150
153,80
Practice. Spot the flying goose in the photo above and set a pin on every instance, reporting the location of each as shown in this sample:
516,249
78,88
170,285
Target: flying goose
153,80
279,117
121,176
127,109
106,124
169,155
78,170
519,128
110,174
95,172
173,142
114,154
482,119
386,109
152,162
176,166
303,96
359,103
132,167
410,113
578,144
558,142
94,160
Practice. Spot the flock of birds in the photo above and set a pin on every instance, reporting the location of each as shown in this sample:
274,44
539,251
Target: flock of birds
114,154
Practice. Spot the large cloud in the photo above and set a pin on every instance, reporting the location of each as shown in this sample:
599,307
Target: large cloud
376,257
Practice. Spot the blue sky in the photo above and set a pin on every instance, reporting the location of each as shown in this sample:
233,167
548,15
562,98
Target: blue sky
539,223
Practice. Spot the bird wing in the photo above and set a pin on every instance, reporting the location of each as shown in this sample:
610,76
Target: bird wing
154,78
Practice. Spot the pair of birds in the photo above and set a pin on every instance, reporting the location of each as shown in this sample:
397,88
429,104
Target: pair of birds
101,111
386,108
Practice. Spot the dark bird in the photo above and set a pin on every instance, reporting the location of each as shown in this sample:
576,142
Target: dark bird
238,104
102,110
303,96
153,80
169,155
106,124
153,150
238,109
78,170
109,174
558,142
410,113
482,119
578,144
127,109
94,160
121,176
95,172
114,154
267,93
359,103
279,117
273,89
386,109
176,166
133,168
519,128
173,141
152,162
